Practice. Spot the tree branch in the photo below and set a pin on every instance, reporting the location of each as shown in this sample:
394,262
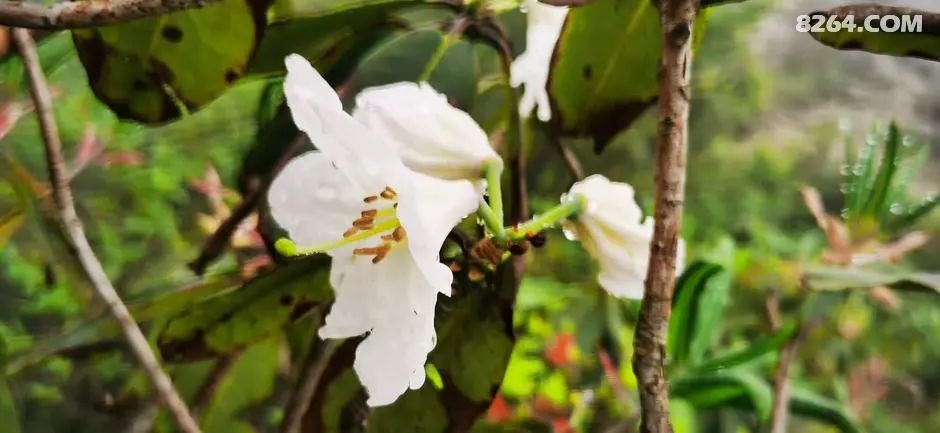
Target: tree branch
79,14
90,265
311,373
649,342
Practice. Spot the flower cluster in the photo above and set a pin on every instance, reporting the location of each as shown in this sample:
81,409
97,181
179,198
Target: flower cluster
380,194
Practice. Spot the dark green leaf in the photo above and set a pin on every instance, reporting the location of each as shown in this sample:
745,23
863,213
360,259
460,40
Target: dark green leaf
753,351
232,320
324,32
146,70
605,67
417,411
258,366
811,405
925,44
473,349
732,388
701,294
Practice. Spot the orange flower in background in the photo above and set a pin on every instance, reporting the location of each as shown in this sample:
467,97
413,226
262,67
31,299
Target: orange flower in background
559,351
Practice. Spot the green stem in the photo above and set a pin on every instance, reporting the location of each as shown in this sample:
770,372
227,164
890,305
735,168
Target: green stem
546,220
492,221
493,173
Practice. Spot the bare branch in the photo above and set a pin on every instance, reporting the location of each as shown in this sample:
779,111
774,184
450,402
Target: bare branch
90,265
79,14
311,371
649,342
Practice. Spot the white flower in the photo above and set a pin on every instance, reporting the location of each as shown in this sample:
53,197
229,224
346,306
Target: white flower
382,223
431,136
610,226
531,67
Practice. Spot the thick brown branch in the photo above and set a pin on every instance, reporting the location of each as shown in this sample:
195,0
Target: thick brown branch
677,17
90,265
79,14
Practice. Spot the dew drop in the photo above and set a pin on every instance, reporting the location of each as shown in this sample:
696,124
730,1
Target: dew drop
569,234
896,208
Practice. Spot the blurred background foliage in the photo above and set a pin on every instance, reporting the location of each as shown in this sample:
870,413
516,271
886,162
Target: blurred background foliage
783,128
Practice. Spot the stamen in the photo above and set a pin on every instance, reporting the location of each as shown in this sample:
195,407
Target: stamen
350,232
370,199
363,223
399,233
387,238
388,193
368,251
383,251
370,213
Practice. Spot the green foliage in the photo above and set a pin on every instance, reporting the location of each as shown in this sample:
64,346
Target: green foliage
474,349
417,411
257,366
832,278
148,70
699,303
228,322
9,418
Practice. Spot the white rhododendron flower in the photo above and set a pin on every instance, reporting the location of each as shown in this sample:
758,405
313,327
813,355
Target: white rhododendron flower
610,226
382,222
430,135
531,67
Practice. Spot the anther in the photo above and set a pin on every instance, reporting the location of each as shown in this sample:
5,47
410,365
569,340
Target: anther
383,251
370,198
370,213
350,232
399,233
369,251
363,223
388,193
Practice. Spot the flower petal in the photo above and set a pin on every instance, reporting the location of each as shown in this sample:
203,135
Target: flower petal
531,68
393,300
311,199
368,160
434,208
431,136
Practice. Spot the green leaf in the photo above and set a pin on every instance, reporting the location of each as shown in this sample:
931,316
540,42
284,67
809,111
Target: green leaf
755,350
886,173
417,411
473,348
701,295
605,67
233,320
146,70
732,388
808,404
258,366
324,31
9,419
925,44
826,278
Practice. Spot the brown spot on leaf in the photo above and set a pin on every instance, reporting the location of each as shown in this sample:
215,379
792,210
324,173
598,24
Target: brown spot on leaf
587,72
231,76
172,33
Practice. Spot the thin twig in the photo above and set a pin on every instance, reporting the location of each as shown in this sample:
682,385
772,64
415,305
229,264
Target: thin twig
571,160
649,342
90,265
781,398
79,14
312,371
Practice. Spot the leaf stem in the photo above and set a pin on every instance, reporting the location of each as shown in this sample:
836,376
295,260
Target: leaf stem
452,36
493,173
491,220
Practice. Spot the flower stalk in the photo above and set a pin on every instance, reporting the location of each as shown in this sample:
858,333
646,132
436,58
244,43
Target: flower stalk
547,220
